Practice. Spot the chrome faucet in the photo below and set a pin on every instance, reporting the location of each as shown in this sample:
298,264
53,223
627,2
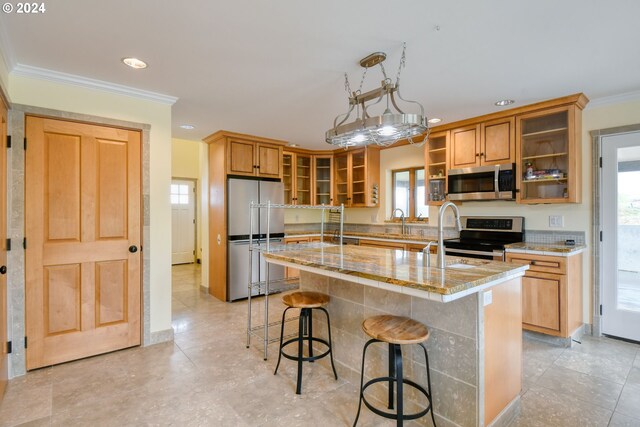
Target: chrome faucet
456,212
402,218
426,254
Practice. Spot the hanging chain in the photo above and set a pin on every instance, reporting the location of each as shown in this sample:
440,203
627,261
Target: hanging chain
347,86
403,60
384,72
364,74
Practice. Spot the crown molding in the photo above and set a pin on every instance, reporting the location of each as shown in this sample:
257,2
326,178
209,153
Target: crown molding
86,82
615,99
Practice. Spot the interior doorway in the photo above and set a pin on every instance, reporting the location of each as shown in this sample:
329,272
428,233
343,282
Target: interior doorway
620,225
183,221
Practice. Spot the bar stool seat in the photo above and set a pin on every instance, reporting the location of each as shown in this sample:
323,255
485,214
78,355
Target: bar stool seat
395,331
306,301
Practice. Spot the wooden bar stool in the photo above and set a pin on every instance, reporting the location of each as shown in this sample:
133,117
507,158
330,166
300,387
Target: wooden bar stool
395,331
306,301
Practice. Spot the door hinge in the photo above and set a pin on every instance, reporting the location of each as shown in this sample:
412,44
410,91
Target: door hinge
194,252
25,143
25,342
24,243
8,244
600,309
9,347
601,162
8,141
194,221
601,236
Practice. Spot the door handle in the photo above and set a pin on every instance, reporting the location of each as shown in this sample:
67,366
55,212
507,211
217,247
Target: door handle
133,249
3,269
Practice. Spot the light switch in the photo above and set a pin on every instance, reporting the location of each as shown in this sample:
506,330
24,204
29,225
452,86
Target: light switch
556,221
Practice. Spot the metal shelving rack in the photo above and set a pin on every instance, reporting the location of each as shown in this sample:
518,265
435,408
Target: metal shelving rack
281,284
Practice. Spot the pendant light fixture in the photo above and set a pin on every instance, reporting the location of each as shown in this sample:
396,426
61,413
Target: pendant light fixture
384,129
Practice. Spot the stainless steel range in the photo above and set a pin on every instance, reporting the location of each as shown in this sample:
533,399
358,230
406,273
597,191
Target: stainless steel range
485,237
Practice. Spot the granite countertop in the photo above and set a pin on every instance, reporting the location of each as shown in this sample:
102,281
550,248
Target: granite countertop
364,235
544,249
397,268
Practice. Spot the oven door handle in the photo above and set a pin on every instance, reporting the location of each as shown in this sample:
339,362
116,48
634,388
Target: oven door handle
470,252
496,181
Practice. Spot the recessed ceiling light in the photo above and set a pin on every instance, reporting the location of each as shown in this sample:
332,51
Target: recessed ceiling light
504,102
293,145
136,63
188,127
434,120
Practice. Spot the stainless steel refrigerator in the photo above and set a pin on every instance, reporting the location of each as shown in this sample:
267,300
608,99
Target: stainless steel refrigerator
240,193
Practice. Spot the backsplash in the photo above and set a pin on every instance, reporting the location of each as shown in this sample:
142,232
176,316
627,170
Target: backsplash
554,237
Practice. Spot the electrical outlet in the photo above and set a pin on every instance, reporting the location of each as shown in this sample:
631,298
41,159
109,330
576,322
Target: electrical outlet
488,298
556,221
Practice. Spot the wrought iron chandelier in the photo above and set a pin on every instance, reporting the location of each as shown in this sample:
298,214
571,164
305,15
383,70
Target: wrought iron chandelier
385,129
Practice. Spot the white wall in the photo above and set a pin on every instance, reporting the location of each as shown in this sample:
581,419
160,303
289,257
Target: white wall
185,163
81,100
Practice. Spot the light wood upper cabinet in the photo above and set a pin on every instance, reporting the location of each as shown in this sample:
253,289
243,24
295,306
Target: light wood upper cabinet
484,144
296,178
269,160
248,158
549,155
321,178
357,177
465,144
436,161
497,141
241,156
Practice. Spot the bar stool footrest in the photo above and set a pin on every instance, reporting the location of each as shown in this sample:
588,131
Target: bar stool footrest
307,358
392,415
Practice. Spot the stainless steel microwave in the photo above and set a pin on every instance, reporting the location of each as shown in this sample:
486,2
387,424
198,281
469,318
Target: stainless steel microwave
496,182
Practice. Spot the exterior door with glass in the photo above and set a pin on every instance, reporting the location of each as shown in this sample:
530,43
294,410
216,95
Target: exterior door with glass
183,222
620,207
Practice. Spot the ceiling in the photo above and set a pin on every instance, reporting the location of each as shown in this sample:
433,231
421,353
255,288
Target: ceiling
275,68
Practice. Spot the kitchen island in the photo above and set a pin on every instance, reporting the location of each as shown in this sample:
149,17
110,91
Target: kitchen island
472,308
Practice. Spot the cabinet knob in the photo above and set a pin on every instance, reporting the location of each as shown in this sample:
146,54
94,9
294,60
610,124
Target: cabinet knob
481,154
477,155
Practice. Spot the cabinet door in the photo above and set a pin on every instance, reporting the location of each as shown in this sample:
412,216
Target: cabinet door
322,180
541,300
303,179
358,182
288,178
240,159
341,180
497,141
464,147
414,247
269,160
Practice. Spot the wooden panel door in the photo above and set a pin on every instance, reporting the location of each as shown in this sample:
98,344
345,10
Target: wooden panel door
241,158
541,301
497,141
4,357
83,264
464,147
269,160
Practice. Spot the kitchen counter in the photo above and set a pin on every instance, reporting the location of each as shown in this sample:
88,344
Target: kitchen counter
544,249
474,316
389,237
397,270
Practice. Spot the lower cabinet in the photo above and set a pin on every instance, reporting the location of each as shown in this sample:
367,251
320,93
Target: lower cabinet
551,293
410,247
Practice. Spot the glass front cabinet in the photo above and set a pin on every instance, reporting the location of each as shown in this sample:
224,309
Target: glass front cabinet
321,177
549,155
296,177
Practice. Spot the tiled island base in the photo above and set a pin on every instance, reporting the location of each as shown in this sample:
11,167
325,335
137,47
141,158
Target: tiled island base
462,355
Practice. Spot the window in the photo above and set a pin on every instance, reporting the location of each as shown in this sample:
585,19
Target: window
179,194
409,193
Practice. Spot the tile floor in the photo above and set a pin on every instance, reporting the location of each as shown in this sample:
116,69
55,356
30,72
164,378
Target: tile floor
207,377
